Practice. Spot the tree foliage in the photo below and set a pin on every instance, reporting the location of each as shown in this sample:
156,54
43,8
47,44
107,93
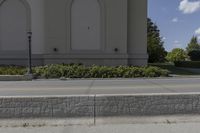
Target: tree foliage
194,55
176,54
156,49
193,45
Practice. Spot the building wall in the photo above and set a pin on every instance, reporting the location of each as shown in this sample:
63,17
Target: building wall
86,25
114,26
55,27
137,32
122,33
37,25
14,27
113,34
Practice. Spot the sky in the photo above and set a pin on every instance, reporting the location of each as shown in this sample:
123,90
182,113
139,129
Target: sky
178,21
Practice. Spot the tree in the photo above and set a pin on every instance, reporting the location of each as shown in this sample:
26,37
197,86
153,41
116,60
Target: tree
194,55
193,45
176,54
156,49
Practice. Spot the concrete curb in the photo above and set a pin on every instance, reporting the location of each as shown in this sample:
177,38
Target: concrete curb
147,105
99,106
15,78
31,77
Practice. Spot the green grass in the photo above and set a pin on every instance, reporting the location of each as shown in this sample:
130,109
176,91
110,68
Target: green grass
174,70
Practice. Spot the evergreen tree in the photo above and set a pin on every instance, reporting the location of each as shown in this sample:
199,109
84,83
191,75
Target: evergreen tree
193,45
156,49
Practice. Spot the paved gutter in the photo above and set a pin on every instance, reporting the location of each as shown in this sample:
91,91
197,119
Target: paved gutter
15,78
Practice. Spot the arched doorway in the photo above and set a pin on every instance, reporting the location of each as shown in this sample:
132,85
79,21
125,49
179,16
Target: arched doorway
85,25
13,26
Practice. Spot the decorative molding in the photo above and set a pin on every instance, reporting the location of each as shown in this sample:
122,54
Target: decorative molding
138,56
86,56
102,32
28,18
28,11
1,2
28,14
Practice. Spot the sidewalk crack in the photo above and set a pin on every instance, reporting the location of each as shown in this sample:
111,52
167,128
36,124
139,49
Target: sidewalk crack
90,87
154,83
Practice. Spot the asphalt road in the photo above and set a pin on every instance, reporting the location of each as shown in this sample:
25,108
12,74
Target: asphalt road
90,87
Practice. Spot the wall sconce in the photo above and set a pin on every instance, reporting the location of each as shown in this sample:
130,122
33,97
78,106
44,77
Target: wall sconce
55,49
116,50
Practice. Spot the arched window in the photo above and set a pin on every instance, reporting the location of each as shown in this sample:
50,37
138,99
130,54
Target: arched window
13,26
85,25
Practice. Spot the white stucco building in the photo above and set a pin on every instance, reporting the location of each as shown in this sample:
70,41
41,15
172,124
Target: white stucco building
103,32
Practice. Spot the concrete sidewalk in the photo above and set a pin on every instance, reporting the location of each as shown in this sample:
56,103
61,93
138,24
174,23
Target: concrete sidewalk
99,87
167,124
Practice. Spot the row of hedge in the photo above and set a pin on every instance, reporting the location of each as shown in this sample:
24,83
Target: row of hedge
187,64
80,71
12,70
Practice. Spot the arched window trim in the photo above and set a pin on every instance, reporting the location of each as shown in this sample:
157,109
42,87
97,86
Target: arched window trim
28,12
1,2
28,23
102,27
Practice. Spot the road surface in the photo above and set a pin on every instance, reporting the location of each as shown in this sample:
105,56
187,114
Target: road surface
90,87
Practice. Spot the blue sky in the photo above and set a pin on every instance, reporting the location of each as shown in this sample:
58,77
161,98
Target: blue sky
178,20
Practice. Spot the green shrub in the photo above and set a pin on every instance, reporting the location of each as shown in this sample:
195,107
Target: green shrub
75,71
81,71
187,64
133,72
103,72
194,55
155,72
12,70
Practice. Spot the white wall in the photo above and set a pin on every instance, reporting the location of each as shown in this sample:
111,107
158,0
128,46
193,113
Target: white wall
113,29
137,32
37,25
85,25
56,26
116,25
63,24
137,26
13,26
17,17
